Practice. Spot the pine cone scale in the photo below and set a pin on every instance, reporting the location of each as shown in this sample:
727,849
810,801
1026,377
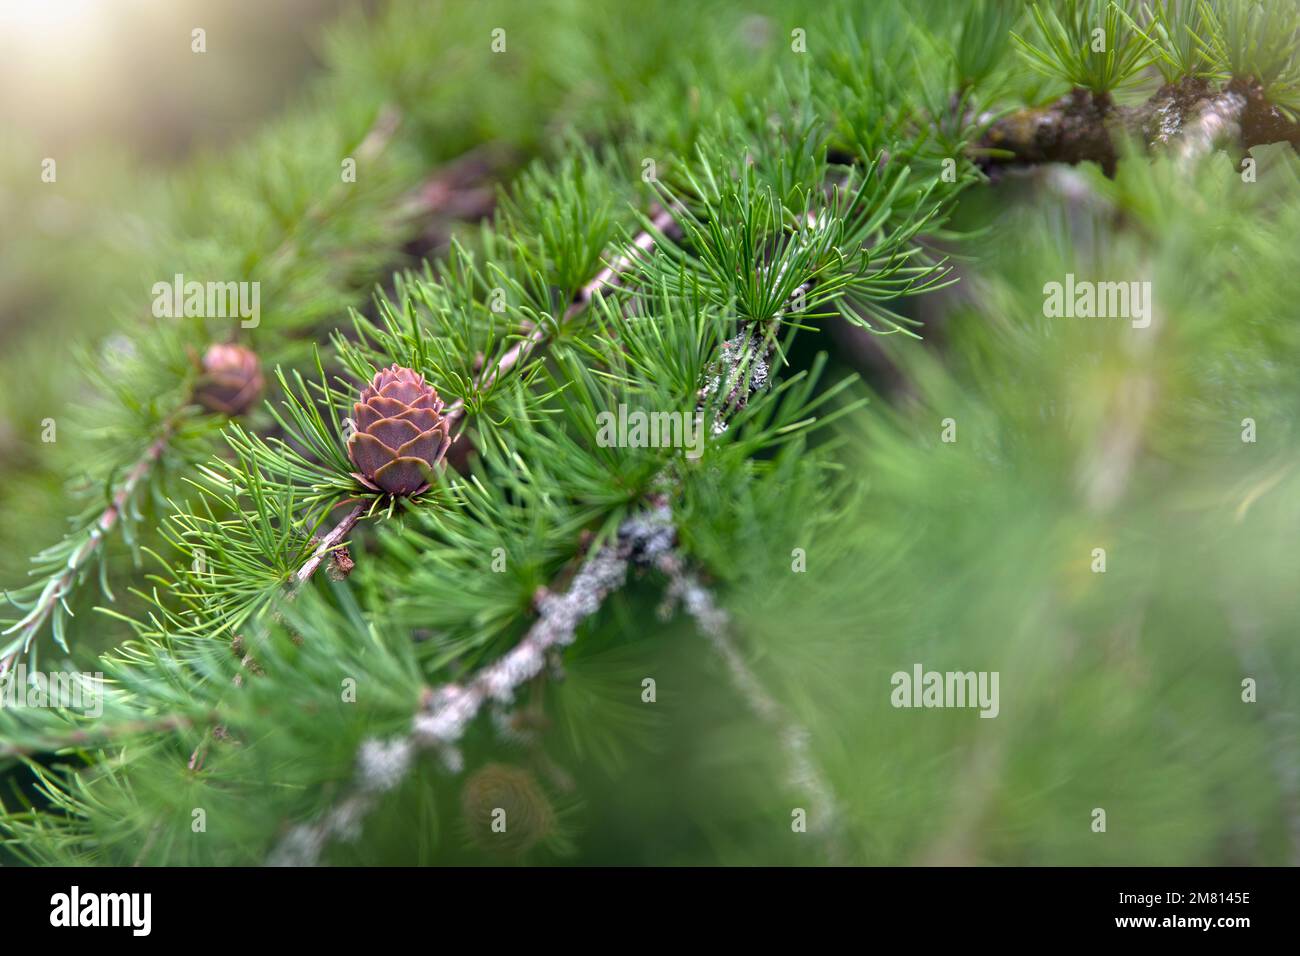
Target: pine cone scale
404,392
422,418
393,432
368,453
404,476
376,409
425,446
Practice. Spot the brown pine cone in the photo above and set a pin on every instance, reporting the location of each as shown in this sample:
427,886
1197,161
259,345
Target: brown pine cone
231,381
400,433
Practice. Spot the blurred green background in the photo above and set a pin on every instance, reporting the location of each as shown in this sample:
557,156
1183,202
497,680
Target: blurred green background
1118,690
114,94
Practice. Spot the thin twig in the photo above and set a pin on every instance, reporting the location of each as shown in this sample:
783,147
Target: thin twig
450,709
520,351
104,734
715,624
376,139
447,711
1281,725
328,543
59,586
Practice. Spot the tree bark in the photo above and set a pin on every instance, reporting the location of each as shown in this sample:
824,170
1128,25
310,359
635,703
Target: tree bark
1190,117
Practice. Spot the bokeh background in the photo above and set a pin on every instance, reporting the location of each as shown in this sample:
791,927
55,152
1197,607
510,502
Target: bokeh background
111,90
1119,691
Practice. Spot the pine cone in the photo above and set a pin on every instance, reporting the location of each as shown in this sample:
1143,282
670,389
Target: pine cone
400,433
528,817
231,380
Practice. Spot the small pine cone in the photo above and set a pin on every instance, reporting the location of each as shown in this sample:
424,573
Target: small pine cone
400,433
528,818
231,381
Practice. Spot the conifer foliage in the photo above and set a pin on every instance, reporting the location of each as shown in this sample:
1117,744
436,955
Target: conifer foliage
599,521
